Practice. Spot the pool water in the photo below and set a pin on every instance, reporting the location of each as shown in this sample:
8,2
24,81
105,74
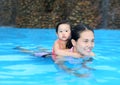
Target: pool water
17,68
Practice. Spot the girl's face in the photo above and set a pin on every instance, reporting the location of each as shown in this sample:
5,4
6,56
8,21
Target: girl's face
85,43
64,32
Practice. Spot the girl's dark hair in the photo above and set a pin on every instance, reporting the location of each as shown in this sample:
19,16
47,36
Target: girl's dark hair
78,29
63,22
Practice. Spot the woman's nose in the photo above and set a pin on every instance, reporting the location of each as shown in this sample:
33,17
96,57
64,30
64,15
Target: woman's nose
90,44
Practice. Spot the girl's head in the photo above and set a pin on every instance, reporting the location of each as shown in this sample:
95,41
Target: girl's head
63,30
83,39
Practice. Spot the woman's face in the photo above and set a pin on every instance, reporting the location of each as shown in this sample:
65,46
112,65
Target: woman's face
85,43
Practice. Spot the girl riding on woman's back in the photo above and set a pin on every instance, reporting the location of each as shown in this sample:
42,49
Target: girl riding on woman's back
63,44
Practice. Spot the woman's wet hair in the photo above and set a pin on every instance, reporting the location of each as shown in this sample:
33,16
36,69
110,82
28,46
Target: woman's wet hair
78,29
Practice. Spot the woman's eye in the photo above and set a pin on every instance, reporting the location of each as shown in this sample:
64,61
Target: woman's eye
86,41
92,40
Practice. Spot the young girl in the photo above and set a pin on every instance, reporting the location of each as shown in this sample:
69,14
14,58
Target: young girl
63,44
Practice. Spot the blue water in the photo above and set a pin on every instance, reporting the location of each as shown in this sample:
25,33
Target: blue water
17,68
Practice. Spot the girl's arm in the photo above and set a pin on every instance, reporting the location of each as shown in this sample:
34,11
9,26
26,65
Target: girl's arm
64,52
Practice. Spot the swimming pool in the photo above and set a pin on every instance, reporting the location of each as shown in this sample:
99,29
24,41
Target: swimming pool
17,68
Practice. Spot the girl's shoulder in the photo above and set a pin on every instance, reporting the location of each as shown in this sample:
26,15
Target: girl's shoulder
57,41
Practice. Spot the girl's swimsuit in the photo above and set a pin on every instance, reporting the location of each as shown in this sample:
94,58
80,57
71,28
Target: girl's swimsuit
53,55
53,52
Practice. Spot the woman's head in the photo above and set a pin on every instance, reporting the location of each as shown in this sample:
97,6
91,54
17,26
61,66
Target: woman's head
83,39
63,30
